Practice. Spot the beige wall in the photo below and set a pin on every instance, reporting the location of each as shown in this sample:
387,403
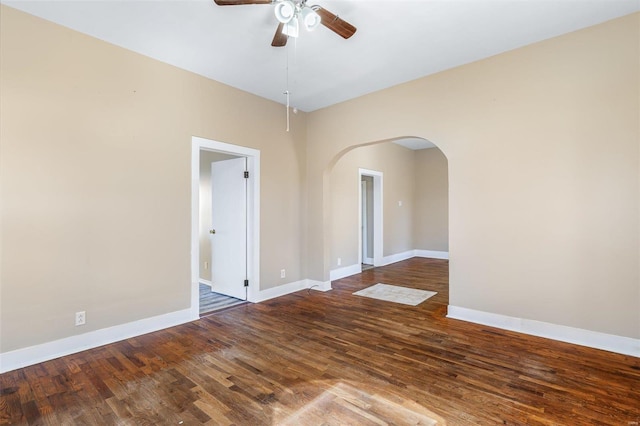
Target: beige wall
543,149
206,158
397,165
96,180
431,205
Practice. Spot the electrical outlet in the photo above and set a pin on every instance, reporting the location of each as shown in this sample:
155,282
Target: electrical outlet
339,261
283,273
206,265
399,203
81,318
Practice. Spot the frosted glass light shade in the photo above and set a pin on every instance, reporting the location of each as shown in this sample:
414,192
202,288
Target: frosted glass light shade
285,11
310,19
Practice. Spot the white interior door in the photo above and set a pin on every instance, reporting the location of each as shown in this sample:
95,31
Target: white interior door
229,227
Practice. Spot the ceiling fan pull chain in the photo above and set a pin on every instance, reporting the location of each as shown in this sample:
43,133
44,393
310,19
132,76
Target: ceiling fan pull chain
287,93
294,71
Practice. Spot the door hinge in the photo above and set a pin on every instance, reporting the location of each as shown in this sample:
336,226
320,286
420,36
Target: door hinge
246,175
246,283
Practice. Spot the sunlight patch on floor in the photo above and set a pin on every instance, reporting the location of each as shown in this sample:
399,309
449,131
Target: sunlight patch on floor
344,404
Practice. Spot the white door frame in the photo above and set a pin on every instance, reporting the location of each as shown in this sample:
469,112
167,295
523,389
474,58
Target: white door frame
378,243
364,226
253,215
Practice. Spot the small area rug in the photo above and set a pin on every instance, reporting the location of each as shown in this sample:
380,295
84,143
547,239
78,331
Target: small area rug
394,293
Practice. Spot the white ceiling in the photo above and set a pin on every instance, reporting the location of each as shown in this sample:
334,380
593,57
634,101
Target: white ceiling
396,40
414,143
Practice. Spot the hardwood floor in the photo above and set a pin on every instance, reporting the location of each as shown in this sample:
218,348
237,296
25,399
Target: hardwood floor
331,358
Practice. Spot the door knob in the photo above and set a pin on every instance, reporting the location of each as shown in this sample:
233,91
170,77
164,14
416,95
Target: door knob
212,231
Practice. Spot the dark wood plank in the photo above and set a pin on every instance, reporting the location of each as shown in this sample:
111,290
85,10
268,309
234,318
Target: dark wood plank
331,358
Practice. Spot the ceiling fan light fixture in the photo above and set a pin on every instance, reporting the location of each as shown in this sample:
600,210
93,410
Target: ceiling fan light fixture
310,19
285,11
291,27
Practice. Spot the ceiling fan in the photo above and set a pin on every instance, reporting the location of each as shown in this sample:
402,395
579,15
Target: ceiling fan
293,13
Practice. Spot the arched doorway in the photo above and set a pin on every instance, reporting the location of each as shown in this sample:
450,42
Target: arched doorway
412,176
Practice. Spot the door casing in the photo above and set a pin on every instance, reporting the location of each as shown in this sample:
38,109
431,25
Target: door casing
253,215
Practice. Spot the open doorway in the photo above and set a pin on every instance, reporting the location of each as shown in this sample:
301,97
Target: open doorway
366,225
223,242
225,227
370,215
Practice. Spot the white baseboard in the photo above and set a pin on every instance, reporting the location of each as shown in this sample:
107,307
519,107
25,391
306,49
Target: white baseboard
387,260
345,271
205,282
577,336
368,260
319,285
19,358
278,291
432,254
393,258
283,290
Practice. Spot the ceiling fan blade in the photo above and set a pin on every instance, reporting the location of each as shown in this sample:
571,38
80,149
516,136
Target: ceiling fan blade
334,23
280,38
240,2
